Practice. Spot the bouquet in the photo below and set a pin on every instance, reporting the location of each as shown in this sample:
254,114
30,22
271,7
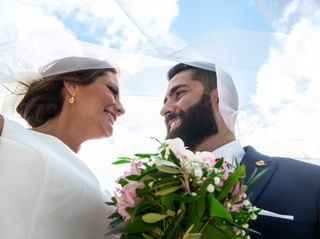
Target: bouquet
176,193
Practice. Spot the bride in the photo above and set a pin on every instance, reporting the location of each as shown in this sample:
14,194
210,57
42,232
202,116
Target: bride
46,191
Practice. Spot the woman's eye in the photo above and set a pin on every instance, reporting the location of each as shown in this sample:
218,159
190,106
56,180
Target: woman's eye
113,90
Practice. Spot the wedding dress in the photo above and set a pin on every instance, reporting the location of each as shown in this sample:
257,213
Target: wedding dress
46,192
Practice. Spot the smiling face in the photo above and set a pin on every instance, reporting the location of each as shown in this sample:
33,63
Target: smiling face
188,110
98,105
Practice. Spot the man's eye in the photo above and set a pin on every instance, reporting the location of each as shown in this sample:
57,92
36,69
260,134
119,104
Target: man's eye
179,93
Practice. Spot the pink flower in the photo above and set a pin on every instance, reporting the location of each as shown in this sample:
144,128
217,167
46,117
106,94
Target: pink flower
186,185
207,157
237,207
236,189
135,166
127,197
134,169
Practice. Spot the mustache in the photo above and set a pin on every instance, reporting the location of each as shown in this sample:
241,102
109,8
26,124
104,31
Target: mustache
171,116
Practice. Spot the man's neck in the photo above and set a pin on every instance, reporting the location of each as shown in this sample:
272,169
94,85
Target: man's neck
216,141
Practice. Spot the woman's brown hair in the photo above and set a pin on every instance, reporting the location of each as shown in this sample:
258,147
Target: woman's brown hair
44,98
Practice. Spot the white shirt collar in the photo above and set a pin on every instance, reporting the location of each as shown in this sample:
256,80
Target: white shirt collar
230,150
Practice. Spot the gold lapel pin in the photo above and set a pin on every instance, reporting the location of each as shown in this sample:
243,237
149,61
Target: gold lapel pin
261,163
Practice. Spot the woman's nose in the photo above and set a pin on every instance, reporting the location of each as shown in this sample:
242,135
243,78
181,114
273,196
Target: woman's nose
119,108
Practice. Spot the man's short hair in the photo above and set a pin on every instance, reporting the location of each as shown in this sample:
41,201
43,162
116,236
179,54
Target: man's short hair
208,78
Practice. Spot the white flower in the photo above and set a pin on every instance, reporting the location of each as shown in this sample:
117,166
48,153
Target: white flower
216,180
176,145
204,155
246,203
253,216
151,184
143,167
246,225
210,188
198,172
193,194
188,155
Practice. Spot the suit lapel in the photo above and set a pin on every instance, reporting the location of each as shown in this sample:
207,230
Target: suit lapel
251,160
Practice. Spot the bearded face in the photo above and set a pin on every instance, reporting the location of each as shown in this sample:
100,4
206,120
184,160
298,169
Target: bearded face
196,123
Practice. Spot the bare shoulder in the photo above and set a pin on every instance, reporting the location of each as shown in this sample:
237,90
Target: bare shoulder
1,123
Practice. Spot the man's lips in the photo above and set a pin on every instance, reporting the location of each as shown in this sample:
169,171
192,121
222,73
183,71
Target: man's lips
173,123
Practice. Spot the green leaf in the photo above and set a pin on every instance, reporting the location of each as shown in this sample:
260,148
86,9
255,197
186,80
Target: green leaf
253,180
153,217
232,180
122,160
145,236
212,231
216,209
185,198
167,169
167,191
144,155
194,236
196,210
173,230
147,172
133,177
135,226
165,162
164,184
143,191
174,159
168,200
123,182
219,163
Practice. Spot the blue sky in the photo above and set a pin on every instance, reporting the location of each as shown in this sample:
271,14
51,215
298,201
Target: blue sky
283,89
198,19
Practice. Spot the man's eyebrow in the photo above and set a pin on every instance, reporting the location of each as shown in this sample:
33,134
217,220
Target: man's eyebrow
173,90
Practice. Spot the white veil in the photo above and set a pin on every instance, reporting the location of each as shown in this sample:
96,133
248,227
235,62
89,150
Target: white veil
242,54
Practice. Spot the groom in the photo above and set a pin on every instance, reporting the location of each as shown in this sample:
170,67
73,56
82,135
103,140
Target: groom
199,107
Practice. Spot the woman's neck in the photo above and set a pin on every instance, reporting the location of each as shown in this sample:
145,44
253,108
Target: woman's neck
65,132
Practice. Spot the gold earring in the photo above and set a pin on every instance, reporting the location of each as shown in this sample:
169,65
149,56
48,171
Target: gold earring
71,99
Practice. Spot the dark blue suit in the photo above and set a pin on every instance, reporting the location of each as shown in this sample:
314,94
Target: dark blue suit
289,187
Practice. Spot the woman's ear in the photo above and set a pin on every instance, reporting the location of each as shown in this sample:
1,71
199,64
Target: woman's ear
1,123
70,87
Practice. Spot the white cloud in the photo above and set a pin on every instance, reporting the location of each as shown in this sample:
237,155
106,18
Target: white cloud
53,28
287,94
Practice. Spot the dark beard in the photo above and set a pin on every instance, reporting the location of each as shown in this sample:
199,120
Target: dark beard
197,123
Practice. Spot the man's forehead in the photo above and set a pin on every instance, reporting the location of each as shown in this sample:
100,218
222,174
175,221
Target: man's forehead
182,78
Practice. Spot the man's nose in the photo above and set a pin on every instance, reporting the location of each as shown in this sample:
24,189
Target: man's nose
167,108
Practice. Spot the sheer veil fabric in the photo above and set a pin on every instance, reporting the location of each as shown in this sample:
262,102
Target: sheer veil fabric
232,53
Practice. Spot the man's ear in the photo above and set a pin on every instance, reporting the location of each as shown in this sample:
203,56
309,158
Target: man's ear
1,123
70,87
214,95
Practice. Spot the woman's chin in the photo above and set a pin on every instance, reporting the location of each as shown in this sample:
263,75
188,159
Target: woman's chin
108,132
